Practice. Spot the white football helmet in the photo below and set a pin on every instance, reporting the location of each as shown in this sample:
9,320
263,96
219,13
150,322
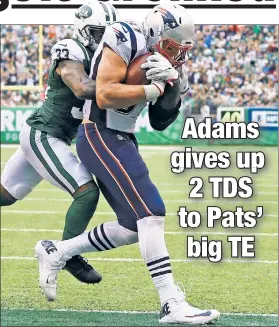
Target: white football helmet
170,27
91,20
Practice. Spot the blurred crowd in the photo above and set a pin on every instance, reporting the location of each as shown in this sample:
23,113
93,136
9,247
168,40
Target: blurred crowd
20,60
232,65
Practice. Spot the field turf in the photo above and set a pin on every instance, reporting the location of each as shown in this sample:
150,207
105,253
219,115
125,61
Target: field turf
244,290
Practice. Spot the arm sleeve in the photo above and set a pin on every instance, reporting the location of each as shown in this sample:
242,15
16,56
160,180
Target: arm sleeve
166,109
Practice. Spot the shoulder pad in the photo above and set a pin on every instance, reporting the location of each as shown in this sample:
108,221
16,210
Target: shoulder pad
68,49
123,40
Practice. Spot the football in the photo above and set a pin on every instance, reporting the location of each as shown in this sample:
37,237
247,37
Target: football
136,75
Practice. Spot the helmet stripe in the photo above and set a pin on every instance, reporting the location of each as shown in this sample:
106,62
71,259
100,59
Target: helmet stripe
110,12
113,12
106,11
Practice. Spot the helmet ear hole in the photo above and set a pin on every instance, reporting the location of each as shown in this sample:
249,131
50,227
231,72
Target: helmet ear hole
180,20
152,32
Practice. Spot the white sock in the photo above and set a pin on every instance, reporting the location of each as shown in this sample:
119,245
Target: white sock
155,254
104,237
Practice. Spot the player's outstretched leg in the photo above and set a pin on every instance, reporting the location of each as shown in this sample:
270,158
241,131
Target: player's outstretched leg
154,251
53,255
77,218
53,160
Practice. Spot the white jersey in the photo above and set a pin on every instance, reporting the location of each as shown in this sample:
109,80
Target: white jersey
128,42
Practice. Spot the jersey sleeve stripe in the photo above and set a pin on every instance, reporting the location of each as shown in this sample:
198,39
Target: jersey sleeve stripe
87,59
86,56
134,45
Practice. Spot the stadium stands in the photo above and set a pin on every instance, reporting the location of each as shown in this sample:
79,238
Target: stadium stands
230,64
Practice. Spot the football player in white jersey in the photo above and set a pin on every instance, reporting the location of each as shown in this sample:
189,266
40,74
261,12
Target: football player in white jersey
45,138
108,148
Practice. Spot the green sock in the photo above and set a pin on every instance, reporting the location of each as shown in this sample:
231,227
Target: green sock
4,201
80,213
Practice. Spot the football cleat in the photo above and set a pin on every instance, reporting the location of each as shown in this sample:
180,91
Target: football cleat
179,311
50,263
81,270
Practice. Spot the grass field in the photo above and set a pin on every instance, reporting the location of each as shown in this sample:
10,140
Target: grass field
245,291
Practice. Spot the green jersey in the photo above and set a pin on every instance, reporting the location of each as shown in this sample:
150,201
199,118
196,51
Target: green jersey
61,113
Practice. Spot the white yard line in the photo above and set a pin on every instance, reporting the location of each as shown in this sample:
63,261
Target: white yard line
141,312
185,191
186,184
108,213
141,147
181,201
227,201
154,148
35,230
140,260
47,212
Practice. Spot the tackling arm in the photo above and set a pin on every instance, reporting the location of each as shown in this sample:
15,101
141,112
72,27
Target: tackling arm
74,76
166,109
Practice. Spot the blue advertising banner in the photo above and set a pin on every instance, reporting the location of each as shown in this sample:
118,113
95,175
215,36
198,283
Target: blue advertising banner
267,118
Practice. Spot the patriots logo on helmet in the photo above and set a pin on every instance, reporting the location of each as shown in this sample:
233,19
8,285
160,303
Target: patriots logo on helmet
83,12
168,18
121,38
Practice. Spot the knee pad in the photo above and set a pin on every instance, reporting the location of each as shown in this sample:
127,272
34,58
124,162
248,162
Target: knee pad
20,191
19,177
17,190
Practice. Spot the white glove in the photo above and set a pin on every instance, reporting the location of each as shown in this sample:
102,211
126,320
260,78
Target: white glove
154,91
160,69
183,79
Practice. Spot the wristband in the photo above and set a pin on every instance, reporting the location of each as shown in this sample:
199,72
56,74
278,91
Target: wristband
154,91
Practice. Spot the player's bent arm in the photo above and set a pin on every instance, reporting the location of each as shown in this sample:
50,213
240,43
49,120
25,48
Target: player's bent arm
111,93
166,109
74,76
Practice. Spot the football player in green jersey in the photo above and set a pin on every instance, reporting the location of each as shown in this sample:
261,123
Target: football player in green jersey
44,151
